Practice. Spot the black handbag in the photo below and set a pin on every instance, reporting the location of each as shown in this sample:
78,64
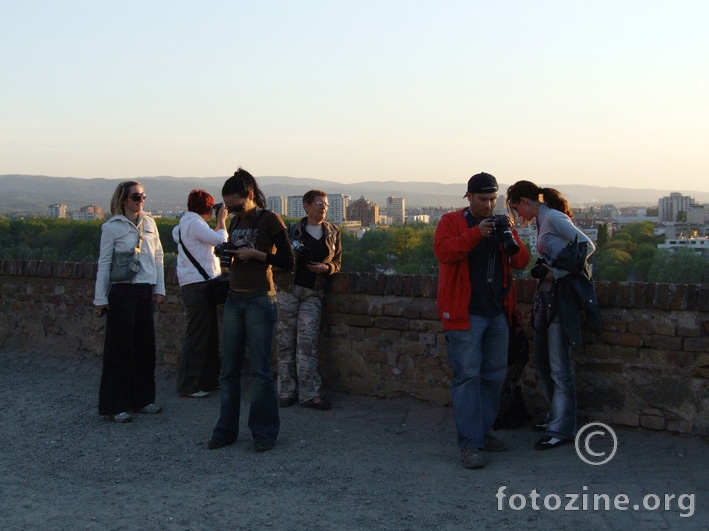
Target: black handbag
217,287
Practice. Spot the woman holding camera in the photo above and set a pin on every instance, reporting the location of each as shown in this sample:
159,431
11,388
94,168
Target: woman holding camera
318,245
258,241
552,332
198,371
128,376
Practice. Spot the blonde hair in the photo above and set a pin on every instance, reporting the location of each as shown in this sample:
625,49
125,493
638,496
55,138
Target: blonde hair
120,196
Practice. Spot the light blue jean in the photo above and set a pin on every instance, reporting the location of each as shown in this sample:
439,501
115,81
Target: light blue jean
249,322
555,367
478,359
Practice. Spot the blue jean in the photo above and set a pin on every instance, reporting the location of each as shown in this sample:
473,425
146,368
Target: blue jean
555,367
478,359
249,322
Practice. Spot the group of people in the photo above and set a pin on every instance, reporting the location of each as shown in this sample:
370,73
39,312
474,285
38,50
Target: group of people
257,248
476,302
278,270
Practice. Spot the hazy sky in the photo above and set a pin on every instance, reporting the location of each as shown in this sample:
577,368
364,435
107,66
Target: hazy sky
603,92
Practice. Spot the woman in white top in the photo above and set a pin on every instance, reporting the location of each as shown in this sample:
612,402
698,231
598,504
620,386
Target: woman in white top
128,376
198,371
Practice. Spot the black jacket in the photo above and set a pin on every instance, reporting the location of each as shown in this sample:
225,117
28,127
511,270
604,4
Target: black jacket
575,292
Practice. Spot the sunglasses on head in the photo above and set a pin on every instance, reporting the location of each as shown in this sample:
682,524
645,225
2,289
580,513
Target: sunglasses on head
137,197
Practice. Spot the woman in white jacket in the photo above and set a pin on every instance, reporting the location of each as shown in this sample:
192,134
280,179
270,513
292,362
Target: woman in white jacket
198,371
128,376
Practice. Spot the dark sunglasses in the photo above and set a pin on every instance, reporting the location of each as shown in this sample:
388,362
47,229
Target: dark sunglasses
137,197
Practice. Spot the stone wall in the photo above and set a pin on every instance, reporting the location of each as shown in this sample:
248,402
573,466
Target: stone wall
647,366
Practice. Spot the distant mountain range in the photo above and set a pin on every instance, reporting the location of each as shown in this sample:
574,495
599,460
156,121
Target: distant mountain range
33,193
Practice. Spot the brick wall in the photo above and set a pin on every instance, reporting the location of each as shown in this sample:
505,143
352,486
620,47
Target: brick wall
647,366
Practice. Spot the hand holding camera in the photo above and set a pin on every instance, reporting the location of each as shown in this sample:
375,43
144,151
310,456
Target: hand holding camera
503,228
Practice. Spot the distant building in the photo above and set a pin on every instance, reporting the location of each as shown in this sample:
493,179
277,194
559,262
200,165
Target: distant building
277,204
337,211
351,226
295,207
88,213
698,245
366,212
418,218
56,211
396,209
671,206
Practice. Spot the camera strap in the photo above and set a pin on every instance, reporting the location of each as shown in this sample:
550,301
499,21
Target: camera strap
191,258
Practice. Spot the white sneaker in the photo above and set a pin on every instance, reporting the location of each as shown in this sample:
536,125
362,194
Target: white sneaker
198,394
121,417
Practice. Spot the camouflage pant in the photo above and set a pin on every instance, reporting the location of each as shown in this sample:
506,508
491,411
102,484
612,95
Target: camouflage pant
297,331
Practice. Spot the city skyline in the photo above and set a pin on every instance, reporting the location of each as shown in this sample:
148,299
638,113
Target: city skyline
605,93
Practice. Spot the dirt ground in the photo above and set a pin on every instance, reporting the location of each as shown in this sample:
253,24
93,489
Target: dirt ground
366,464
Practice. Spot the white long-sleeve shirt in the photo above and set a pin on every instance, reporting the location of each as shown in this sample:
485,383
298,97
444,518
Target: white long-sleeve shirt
199,239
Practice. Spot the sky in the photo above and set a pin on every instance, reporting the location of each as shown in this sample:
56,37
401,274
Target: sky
605,93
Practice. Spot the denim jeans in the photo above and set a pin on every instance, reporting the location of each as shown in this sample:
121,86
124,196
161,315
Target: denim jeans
249,322
478,359
555,367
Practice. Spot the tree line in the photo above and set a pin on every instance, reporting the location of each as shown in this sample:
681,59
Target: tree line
631,254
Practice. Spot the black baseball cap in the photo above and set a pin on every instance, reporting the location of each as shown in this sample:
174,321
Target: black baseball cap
482,183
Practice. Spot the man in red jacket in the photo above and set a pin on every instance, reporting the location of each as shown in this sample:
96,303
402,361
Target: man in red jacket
476,298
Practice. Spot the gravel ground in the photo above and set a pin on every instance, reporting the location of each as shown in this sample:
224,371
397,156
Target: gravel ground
366,464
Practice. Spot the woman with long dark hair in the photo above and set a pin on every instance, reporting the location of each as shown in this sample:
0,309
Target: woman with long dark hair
555,329
128,376
259,242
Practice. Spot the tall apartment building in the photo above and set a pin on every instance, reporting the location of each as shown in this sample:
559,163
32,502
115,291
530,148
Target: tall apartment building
56,211
396,209
366,212
337,211
278,204
670,206
295,207
88,213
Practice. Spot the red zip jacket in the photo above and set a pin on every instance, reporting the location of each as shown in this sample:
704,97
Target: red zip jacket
451,244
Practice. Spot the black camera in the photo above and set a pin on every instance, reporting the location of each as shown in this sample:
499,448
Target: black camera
300,250
217,206
504,232
539,270
225,258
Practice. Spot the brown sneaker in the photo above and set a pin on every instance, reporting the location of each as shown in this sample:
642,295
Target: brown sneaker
472,458
493,444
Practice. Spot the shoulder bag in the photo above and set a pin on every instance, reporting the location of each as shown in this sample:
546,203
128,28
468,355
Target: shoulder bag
126,264
217,287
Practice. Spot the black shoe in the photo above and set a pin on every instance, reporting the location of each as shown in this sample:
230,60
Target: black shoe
286,402
547,443
321,405
216,443
263,445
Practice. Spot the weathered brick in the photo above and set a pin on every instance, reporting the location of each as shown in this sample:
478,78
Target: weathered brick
395,323
697,344
640,327
614,325
663,342
682,359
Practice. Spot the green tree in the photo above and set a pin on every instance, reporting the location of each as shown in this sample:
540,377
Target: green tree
679,266
603,235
